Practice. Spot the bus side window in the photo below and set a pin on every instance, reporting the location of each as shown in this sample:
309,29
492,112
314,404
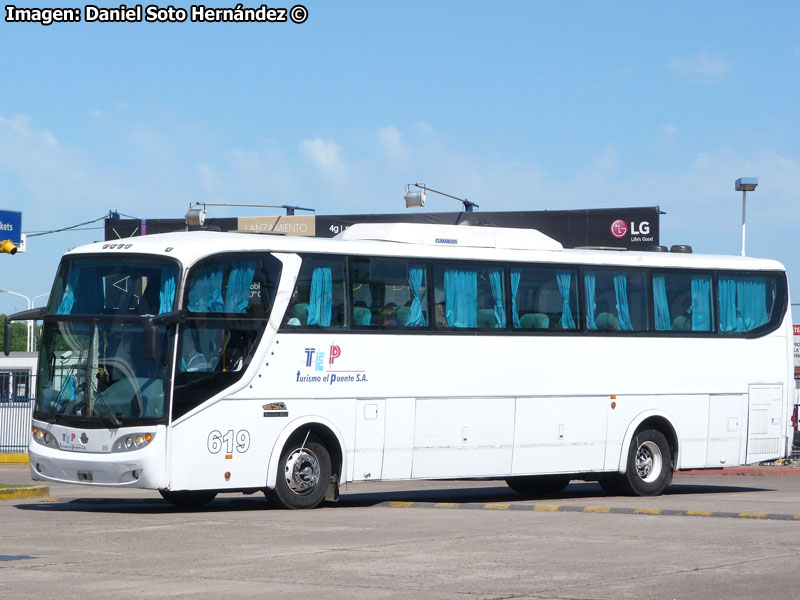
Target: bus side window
319,298
544,298
470,296
746,301
615,300
682,301
388,293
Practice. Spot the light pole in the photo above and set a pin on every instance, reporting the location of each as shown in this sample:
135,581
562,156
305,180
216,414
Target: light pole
33,305
414,199
30,337
744,185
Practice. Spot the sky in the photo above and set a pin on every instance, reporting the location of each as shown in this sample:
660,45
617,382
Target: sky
527,105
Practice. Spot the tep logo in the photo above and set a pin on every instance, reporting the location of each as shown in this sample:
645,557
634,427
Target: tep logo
619,228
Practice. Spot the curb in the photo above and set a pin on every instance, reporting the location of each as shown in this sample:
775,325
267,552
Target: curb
29,491
667,512
13,459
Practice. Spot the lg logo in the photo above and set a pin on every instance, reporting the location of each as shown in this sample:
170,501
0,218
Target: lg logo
619,228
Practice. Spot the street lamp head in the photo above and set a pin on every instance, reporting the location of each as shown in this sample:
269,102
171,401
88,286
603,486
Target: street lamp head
415,198
195,217
746,184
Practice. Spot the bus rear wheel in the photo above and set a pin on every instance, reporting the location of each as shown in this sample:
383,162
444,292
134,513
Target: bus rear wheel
188,499
538,484
649,467
304,474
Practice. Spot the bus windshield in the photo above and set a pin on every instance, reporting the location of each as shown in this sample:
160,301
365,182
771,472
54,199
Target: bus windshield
92,366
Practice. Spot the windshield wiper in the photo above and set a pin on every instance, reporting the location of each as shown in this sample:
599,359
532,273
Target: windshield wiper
111,416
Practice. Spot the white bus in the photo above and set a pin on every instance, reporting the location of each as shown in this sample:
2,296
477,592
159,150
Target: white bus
196,363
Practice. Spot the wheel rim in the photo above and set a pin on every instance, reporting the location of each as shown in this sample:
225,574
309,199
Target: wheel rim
648,461
302,471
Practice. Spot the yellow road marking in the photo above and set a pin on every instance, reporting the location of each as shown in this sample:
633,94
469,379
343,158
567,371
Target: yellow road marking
399,504
647,511
445,505
699,513
497,506
753,515
546,507
31,491
597,509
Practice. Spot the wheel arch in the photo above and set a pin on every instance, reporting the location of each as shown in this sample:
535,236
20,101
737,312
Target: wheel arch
324,430
652,419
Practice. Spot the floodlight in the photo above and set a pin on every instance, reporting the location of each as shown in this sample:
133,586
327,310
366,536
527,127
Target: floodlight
416,198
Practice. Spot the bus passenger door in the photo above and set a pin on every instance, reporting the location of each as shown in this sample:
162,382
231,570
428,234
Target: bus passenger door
368,451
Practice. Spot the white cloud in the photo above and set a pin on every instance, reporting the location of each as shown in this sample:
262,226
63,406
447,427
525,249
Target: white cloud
392,141
49,174
424,128
701,68
208,179
326,154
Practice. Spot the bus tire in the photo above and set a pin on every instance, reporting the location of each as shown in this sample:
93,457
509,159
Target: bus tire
649,467
186,499
304,474
538,485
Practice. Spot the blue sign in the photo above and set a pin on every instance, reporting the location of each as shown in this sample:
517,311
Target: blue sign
11,226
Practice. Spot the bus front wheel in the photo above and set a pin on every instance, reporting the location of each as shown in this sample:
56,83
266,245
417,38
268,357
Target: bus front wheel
649,467
304,474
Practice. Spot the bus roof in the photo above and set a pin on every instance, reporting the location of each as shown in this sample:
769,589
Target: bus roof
415,240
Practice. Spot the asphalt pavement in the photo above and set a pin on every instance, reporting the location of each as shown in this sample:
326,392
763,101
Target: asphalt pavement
710,536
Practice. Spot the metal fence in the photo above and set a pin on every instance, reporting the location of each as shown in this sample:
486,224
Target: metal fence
17,390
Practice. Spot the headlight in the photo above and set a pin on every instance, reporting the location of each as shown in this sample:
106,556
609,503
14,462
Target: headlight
133,441
45,438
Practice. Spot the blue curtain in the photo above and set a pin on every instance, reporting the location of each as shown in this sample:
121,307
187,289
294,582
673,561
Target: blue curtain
81,294
166,294
621,291
516,276
751,302
661,304
205,290
589,285
320,302
564,278
416,318
701,303
69,385
461,297
237,292
728,320
68,297
496,281
742,303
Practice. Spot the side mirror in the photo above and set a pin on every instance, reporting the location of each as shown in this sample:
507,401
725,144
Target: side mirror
33,314
150,341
